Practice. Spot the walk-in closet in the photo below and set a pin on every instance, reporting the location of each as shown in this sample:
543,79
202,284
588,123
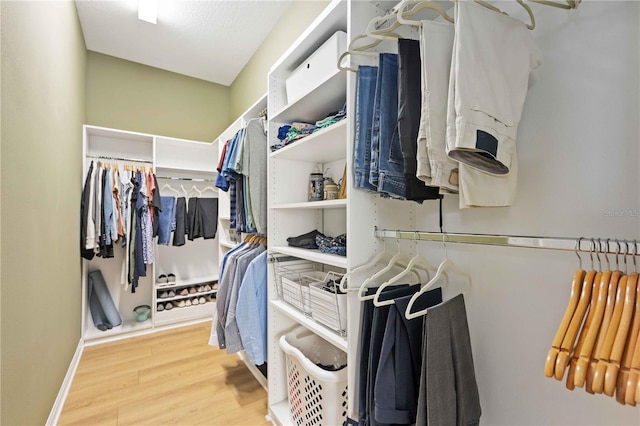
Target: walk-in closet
319,213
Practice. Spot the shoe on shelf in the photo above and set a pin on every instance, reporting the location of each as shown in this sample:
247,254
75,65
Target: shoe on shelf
163,295
192,290
168,306
212,297
195,302
160,307
162,279
181,304
171,278
202,300
172,293
184,292
187,302
207,287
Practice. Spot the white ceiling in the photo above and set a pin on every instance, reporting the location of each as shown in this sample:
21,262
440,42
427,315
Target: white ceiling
211,40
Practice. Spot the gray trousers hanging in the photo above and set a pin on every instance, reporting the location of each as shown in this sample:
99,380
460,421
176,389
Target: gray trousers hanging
103,310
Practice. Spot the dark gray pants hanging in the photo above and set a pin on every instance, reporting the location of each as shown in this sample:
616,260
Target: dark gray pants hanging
103,311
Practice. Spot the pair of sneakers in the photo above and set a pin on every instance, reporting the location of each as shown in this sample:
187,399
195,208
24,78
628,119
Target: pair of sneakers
166,279
191,302
164,307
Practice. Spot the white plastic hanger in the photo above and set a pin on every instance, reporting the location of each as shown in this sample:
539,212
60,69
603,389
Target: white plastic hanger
446,265
398,260
384,33
170,188
403,14
208,188
193,188
383,255
418,262
362,51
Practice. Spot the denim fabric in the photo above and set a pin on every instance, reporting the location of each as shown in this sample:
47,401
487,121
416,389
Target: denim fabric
166,219
409,105
375,124
365,92
390,164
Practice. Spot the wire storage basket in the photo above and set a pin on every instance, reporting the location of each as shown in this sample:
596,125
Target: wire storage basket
329,303
317,396
292,282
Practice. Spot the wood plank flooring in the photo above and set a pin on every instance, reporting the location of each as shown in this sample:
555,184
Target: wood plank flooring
171,377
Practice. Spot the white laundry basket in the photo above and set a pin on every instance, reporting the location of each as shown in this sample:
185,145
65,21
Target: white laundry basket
317,397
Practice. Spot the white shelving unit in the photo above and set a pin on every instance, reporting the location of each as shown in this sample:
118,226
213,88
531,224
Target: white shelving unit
289,212
181,164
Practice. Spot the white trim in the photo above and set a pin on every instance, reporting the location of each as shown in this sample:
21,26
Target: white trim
58,404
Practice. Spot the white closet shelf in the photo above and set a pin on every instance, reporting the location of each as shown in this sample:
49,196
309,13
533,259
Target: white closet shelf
169,168
187,282
127,327
188,296
312,255
324,146
308,322
257,374
279,413
183,314
228,244
328,97
326,204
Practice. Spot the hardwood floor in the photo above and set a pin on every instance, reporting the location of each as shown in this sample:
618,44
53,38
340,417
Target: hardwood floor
171,377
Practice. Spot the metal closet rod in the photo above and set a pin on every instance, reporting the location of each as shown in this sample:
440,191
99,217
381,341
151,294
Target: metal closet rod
609,245
132,160
185,178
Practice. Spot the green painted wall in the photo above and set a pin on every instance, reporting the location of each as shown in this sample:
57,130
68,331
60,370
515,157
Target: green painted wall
130,96
251,83
43,59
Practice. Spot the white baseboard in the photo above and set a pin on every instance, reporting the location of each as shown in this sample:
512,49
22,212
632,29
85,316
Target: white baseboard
56,410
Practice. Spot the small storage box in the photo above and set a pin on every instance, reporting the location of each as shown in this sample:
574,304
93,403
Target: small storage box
316,396
317,68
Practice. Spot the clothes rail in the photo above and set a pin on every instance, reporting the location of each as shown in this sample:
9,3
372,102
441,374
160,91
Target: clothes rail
611,246
185,178
131,160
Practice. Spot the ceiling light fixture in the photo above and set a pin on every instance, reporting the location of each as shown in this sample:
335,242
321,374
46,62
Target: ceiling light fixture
148,11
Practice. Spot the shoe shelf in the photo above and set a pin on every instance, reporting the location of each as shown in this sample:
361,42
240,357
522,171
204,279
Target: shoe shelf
188,282
190,313
188,296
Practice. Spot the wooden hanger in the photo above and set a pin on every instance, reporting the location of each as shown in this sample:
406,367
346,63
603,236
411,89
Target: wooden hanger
582,365
583,331
402,14
609,339
617,350
576,287
612,297
623,395
574,326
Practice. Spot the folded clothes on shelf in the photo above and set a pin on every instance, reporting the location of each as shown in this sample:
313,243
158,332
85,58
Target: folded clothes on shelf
299,130
307,240
337,245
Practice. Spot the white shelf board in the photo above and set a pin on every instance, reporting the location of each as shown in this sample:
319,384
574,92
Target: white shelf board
127,327
187,282
279,413
188,296
228,245
324,146
326,204
227,218
327,334
211,172
328,97
312,255
183,314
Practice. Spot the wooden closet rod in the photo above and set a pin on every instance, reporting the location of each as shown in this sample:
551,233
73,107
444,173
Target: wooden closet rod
550,243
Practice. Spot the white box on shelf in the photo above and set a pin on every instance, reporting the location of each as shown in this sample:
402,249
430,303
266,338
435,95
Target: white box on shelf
322,64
